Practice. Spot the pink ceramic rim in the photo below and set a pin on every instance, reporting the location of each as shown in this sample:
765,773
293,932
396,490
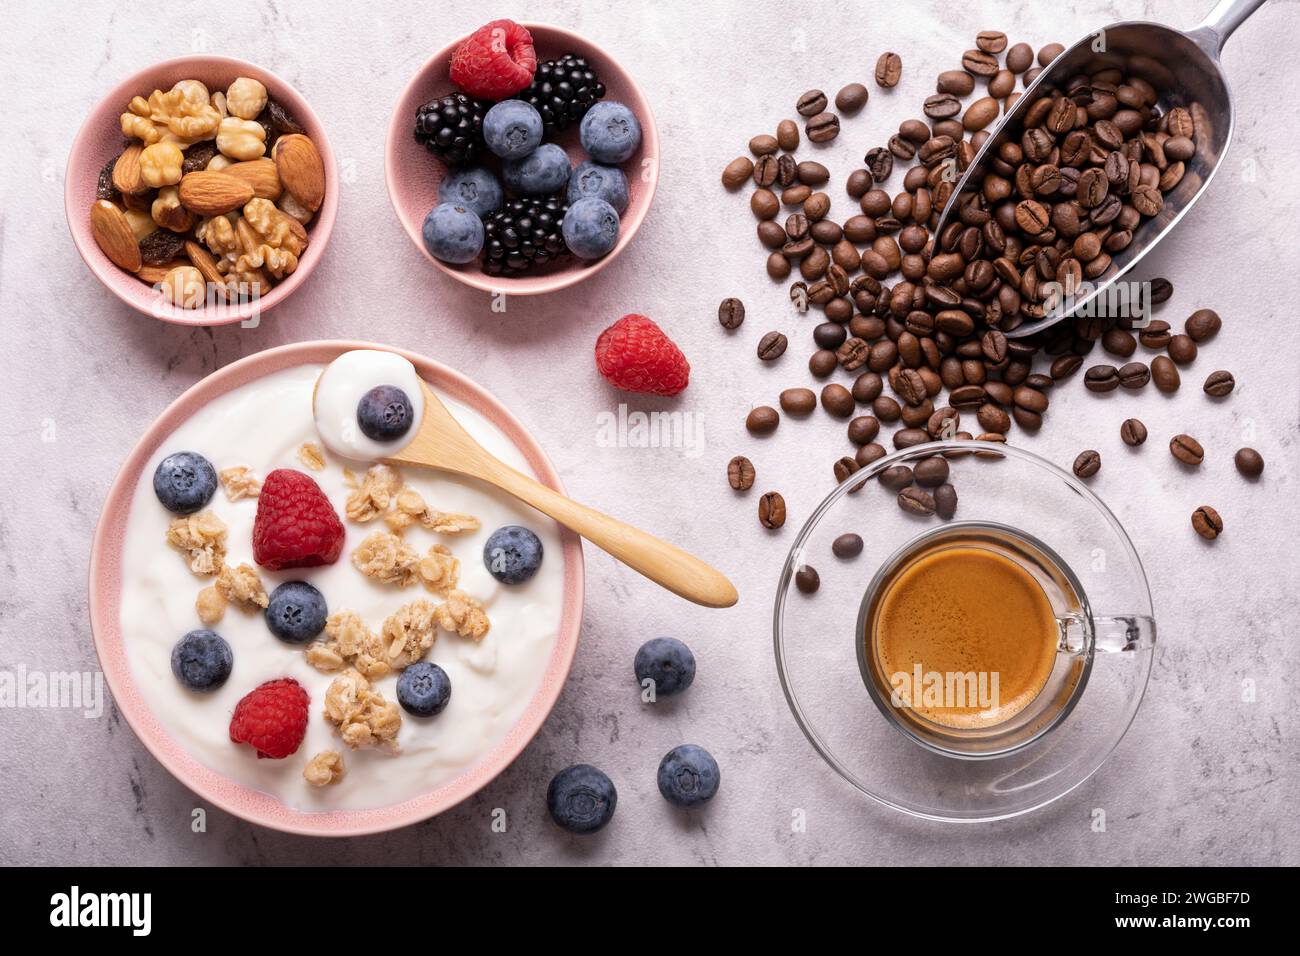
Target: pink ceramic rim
132,290
245,802
400,127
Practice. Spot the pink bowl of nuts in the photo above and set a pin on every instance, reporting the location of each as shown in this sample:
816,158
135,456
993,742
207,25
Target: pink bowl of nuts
415,171
201,190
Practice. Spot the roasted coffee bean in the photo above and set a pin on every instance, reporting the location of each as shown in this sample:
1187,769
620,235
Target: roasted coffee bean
763,144
896,477
880,163
1119,342
778,266
991,41
910,437
798,401
902,149
941,106
762,420
828,234
931,472
847,546
843,468
979,63
853,354
1203,324
968,396
812,173
1087,464
1101,378
1049,53
910,386
993,418
772,346
771,235
740,473
851,98
955,83
787,135
1249,462
1164,374
1219,384
867,387
737,171
1161,290
1186,449
795,195
1029,399
1207,523
764,204
858,183
807,580
837,400
889,70
822,128
864,429
1002,84
765,171
945,501
817,206
869,454
1182,349
731,313
1134,375
771,509
787,171
829,335
1064,366
1132,432
1020,58
811,103
822,363
916,501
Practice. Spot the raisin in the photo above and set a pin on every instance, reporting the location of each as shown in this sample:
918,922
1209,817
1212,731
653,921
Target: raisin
198,156
105,188
160,247
280,121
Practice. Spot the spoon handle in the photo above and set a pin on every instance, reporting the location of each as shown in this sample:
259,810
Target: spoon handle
665,564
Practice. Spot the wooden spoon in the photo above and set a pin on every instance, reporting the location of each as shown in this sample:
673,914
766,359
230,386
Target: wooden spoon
442,443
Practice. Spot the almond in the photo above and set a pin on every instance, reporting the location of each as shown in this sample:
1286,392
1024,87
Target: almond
127,178
261,174
155,274
113,234
213,194
202,260
301,169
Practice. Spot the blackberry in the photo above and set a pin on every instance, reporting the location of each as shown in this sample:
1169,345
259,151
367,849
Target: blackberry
561,91
524,236
451,127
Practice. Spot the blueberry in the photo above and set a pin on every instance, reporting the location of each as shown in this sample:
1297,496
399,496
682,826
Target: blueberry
590,228
592,180
609,132
296,612
423,689
184,482
512,554
476,188
201,660
581,799
453,233
512,129
385,413
688,776
542,171
666,661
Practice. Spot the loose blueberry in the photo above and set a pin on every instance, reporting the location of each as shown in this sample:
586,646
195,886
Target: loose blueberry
542,171
201,660
423,689
512,554
590,228
453,233
296,612
184,482
512,129
610,132
688,776
594,181
385,413
666,661
476,188
581,799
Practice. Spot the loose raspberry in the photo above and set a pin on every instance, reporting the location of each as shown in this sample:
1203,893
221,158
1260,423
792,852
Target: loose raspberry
296,526
272,718
636,355
497,61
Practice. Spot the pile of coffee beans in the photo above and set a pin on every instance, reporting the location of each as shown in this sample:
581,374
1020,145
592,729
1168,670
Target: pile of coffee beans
1090,163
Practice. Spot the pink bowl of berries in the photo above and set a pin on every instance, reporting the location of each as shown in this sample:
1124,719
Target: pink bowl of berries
522,158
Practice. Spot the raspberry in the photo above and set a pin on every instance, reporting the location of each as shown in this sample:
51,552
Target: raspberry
272,717
636,355
497,61
296,526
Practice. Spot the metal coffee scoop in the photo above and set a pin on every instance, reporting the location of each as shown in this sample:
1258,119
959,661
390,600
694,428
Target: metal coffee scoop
1184,70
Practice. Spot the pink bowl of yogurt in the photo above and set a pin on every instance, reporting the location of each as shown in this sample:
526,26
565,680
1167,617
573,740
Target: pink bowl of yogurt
257,413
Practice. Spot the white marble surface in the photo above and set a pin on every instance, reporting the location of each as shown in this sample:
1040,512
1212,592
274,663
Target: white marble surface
1201,778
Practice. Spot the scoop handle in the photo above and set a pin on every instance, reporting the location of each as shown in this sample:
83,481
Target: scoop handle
1219,23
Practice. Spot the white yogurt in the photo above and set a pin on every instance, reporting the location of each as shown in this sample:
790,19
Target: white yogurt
343,384
261,425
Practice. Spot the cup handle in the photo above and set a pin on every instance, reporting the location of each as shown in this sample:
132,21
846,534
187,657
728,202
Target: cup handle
1110,633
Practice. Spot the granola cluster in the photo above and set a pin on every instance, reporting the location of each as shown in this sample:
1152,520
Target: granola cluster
312,455
371,495
349,642
410,508
362,716
241,586
239,482
202,539
324,768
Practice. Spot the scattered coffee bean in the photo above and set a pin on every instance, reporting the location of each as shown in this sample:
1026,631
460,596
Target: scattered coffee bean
916,501
941,106
852,98
931,472
807,580
867,387
846,546
1161,290
731,313
837,400
1182,349
863,429
822,363
869,454
880,163
829,335
1164,373
798,401
1156,335
1134,375
844,467
811,103
1249,462
772,346
1186,449
822,128
737,171
787,135
886,409
1207,522
896,477
771,509
910,437
1020,58
1049,53
1203,324
740,473
1132,432
1219,384
1119,342
762,420
979,63
955,83
1087,464
763,144
991,41
889,70
945,501
778,266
